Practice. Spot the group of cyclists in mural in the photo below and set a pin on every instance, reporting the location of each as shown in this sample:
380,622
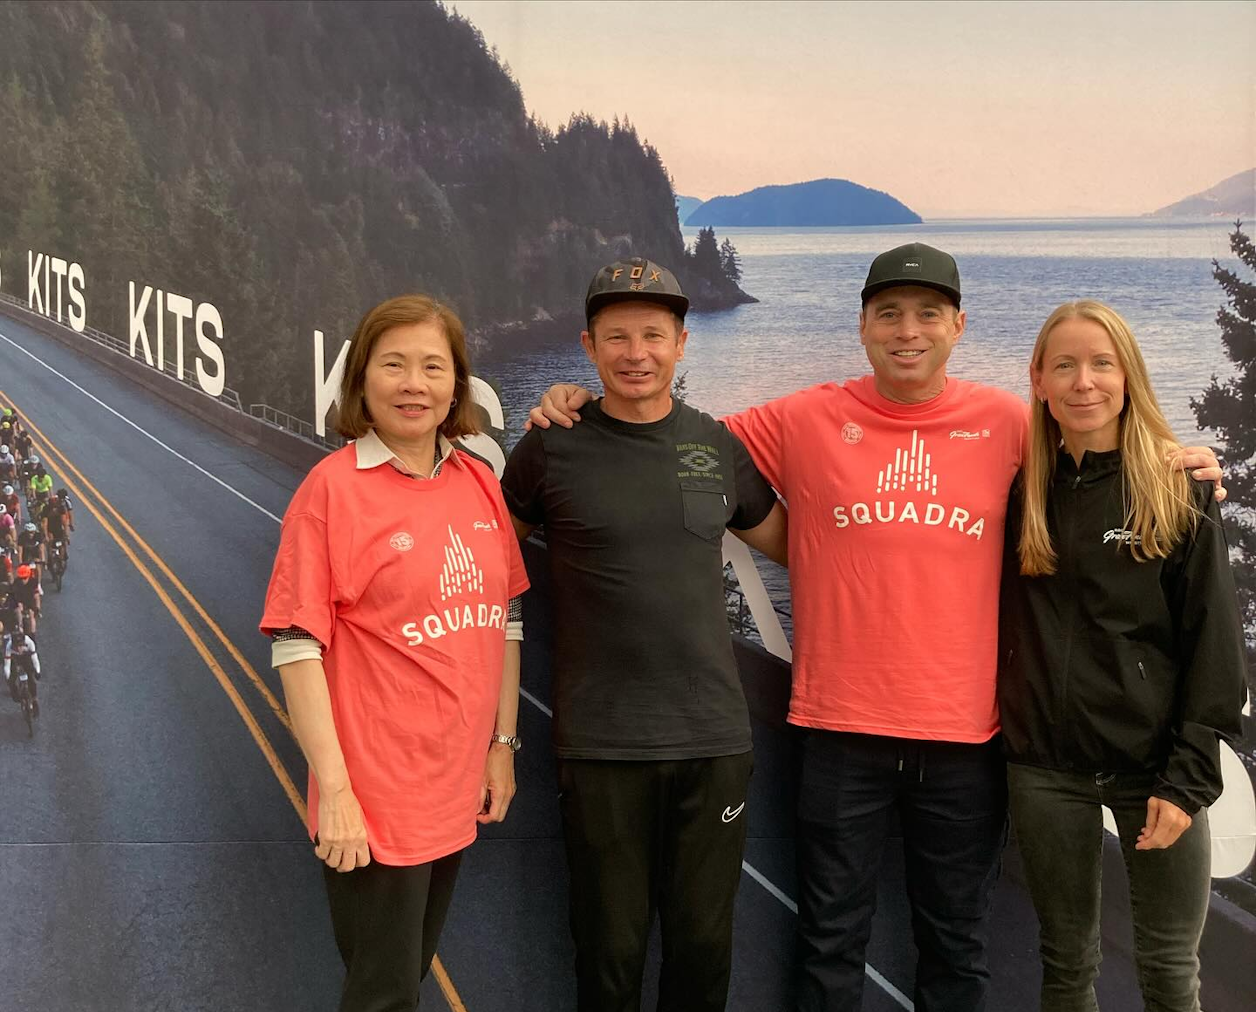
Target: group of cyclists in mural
35,525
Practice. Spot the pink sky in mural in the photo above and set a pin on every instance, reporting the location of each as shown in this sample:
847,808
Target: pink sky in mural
957,109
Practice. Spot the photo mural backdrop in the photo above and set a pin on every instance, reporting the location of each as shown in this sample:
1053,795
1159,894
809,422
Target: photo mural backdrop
219,191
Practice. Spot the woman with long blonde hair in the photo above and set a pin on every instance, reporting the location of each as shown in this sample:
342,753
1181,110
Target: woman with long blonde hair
1122,662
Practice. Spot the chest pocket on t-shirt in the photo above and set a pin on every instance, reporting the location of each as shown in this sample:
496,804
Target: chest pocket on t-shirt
705,508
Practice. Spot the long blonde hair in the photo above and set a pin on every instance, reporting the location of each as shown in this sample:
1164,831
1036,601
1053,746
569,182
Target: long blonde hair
1159,511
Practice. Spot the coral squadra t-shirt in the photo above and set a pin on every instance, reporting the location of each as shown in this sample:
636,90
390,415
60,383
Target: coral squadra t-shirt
406,584
895,541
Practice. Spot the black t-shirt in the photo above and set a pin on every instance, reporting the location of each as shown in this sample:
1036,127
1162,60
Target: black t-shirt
634,516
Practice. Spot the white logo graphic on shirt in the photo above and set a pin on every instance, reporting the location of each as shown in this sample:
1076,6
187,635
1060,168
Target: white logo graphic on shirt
460,573
484,525
731,813
911,468
1123,536
401,541
852,433
910,471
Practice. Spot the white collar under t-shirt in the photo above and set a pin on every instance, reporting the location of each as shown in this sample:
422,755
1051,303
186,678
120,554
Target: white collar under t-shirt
372,451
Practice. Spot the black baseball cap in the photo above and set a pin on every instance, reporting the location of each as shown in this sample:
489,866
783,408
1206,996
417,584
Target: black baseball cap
634,278
913,264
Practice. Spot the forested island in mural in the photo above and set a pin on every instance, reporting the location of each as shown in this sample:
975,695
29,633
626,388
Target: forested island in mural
295,163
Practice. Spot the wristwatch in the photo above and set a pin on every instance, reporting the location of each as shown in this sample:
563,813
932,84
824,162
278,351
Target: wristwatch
513,742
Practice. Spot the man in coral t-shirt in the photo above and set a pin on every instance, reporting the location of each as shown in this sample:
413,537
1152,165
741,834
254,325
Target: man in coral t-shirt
896,534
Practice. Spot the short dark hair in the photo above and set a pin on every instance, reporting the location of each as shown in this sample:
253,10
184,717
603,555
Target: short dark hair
352,419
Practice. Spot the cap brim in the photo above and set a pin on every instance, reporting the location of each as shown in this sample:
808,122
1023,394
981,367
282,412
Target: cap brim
678,304
880,286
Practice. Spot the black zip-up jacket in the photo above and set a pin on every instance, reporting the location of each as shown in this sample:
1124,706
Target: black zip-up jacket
1113,665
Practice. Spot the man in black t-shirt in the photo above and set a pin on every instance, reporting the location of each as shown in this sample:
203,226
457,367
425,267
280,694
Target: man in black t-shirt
650,724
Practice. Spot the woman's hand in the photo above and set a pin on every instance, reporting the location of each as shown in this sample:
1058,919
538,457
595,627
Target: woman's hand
1165,823
341,839
499,784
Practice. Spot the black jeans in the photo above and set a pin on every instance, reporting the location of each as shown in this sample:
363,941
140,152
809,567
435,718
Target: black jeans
951,799
1059,830
663,835
387,920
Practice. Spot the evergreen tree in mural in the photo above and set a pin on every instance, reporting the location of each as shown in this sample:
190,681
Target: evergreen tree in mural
1230,408
730,261
709,268
705,257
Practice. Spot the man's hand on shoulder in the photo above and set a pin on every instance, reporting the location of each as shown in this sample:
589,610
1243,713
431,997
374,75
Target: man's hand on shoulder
561,404
1203,465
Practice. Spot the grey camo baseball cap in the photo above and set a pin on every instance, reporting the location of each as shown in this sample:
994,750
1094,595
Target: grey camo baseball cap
634,278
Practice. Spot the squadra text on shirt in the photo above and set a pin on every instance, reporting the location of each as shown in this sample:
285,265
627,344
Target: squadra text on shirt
906,488
459,575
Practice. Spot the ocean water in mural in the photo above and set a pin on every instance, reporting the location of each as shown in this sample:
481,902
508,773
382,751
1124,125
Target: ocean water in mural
804,329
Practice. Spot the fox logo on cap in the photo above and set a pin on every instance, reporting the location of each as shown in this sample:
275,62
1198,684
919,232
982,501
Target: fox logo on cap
635,278
656,273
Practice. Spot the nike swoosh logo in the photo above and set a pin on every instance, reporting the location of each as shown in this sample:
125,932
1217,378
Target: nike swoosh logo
731,813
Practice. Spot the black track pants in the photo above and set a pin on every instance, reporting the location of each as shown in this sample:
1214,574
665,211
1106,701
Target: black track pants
642,837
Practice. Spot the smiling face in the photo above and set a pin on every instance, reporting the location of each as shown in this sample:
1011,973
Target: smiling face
409,383
908,333
635,346
1082,382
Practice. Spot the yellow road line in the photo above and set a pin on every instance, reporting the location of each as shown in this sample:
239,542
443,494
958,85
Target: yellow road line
259,736
275,706
447,986
250,722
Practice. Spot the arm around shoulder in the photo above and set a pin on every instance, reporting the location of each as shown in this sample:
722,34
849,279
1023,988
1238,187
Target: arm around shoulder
771,536
1212,685
761,431
760,519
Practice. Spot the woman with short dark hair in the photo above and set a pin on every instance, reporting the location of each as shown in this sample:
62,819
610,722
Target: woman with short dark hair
393,607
